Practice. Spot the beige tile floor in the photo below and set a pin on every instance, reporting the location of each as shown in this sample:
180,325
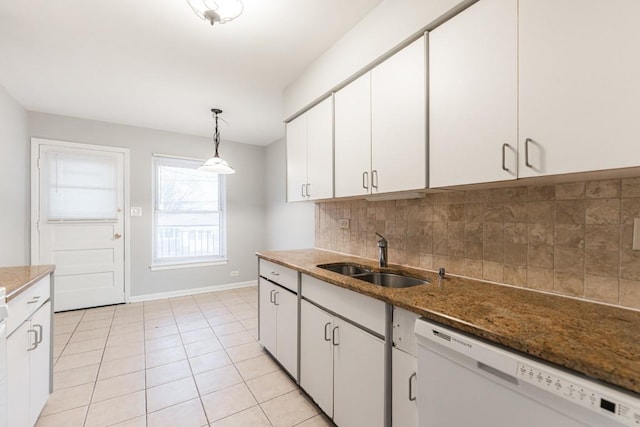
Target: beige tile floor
187,361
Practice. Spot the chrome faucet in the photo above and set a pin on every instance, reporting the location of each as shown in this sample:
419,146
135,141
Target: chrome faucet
382,250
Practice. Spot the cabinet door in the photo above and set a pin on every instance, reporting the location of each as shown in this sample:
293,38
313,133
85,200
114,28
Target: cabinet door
579,85
353,138
398,121
40,358
320,150
404,388
18,345
297,159
286,303
316,355
267,316
473,102
358,377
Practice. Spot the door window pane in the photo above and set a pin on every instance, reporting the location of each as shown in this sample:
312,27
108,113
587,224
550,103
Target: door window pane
81,187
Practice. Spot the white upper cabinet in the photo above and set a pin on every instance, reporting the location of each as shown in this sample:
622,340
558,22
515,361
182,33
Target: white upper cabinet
310,154
473,122
320,151
398,121
579,85
380,127
353,138
296,159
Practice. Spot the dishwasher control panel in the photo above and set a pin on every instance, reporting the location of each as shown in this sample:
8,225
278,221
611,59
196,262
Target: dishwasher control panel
612,405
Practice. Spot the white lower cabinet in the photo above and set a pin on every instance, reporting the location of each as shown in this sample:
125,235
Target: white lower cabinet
278,319
404,386
316,355
28,362
342,368
358,376
342,364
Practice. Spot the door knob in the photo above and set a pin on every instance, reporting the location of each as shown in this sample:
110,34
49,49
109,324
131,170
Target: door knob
117,235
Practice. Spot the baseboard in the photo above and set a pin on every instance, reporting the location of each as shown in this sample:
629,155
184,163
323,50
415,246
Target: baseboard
194,291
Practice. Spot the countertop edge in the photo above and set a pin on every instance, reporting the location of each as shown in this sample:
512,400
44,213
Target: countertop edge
46,270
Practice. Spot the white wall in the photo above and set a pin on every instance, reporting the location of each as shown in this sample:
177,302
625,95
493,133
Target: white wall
14,182
245,196
287,225
387,26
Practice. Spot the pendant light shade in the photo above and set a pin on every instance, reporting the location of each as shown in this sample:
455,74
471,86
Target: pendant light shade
221,11
216,164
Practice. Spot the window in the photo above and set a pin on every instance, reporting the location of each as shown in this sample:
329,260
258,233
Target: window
81,187
189,217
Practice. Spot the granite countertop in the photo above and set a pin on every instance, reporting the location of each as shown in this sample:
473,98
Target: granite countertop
17,279
599,341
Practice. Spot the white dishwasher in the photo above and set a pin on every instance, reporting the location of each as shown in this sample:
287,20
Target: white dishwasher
463,381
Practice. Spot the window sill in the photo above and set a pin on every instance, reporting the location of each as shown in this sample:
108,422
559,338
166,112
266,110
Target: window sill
161,267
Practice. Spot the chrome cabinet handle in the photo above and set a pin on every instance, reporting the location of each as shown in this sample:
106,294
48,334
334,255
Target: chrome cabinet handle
274,273
504,149
374,179
302,190
35,341
365,180
275,298
333,337
307,189
325,331
271,295
526,152
412,396
38,334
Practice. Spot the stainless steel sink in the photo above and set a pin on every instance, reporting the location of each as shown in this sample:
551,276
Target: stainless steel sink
344,268
390,280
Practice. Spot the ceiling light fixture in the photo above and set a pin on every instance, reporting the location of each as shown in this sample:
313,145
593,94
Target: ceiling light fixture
216,164
221,11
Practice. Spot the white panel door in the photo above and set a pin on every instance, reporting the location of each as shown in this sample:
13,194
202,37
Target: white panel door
320,150
358,377
473,104
579,85
316,355
287,329
81,224
404,388
353,138
398,121
297,159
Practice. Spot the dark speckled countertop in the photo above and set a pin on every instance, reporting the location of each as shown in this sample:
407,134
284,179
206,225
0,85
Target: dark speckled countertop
599,341
17,279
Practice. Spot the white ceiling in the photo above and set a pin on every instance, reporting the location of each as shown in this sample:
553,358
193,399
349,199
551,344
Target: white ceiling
155,64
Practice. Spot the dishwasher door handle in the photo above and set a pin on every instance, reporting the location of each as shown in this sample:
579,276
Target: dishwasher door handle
498,373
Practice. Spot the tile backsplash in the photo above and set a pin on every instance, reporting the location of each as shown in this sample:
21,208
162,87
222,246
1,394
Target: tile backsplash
572,239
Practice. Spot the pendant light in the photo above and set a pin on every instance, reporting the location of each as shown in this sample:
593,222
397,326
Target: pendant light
221,11
216,164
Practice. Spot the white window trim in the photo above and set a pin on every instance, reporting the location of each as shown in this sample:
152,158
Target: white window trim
194,262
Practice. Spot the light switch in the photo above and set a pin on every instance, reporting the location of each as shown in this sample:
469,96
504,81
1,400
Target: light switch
636,234
343,223
137,211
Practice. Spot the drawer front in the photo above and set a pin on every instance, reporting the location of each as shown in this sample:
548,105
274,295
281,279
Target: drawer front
363,310
283,276
25,304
